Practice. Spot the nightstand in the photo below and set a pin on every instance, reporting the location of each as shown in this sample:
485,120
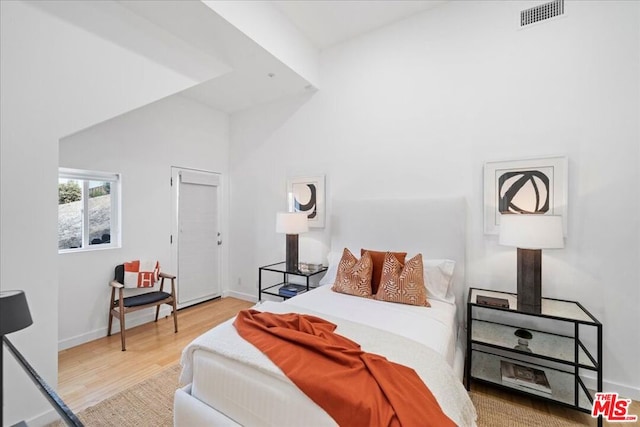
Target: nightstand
281,267
548,349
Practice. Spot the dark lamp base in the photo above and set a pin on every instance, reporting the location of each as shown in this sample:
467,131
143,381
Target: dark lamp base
292,252
529,278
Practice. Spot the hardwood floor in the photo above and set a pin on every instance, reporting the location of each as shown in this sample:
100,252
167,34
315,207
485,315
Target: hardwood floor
92,372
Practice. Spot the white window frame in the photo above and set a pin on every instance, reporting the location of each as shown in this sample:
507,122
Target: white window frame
115,181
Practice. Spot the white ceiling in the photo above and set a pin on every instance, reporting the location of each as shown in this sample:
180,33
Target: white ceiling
328,22
249,82
324,22
242,73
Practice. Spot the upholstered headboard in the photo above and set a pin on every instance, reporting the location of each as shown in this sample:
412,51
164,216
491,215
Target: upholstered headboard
433,227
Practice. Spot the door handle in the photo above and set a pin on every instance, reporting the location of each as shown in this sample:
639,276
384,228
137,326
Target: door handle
219,240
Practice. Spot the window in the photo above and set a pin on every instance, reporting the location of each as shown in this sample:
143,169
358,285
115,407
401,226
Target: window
88,210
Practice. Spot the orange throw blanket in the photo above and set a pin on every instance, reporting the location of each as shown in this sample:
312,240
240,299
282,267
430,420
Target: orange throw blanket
354,387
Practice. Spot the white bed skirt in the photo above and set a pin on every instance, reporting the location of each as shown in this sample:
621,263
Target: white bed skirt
189,411
237,380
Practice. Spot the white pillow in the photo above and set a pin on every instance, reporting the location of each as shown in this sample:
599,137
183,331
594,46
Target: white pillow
330,276
438,275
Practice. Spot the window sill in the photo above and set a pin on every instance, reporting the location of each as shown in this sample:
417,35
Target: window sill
91,249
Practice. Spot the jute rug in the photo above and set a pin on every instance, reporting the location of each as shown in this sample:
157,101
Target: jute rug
147,404
150,403
497,412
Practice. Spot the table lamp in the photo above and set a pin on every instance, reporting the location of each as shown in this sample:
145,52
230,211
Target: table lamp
292,224
14,316
530,233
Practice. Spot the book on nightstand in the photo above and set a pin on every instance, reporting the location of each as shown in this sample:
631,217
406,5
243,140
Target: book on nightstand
291,290
492,301
287,294
524,376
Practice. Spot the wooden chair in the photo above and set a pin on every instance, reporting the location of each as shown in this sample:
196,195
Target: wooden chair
121,305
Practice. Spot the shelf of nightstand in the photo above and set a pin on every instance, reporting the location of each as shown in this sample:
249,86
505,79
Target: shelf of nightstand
550,307
553,347
486,367
274,290
281,268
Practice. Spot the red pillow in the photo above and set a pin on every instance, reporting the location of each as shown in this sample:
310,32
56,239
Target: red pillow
378,260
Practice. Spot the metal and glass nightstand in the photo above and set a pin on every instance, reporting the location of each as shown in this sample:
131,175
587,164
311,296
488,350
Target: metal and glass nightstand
281,267
563,341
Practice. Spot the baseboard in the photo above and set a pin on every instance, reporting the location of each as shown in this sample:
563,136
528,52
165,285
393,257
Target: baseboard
131,321
239,295
45,419
626,391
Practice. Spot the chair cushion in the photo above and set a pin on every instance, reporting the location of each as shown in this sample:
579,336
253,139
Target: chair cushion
119,276
143,299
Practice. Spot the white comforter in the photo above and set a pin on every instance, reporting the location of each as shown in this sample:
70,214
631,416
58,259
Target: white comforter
428,364
435,326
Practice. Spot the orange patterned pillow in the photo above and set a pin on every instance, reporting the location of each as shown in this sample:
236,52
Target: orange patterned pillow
354,275
403,285
378,259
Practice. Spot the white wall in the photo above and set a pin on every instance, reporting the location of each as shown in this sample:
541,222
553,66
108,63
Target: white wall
269,28
142,145
415,109
55,78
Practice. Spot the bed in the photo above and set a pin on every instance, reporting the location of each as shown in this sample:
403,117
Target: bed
230,382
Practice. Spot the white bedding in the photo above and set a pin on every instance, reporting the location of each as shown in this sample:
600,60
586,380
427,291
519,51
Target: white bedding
238,380
435,326
235,381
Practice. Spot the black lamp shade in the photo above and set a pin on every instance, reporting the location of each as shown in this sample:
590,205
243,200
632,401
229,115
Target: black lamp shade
14,312
15,315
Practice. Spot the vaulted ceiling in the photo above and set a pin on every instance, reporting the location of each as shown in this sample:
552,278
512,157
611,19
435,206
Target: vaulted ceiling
327,23
237,54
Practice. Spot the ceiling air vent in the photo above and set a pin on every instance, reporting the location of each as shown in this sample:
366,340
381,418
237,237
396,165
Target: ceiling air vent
541,12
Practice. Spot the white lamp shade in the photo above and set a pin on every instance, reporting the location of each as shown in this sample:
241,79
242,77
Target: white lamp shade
292,222
534,231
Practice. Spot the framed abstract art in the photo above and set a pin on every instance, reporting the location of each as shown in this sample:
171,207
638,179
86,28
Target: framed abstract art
306,194
526,186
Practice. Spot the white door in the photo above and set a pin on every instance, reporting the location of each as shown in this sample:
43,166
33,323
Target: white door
196,238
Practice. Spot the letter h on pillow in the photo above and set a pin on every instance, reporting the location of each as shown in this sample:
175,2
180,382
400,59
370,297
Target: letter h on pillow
141,274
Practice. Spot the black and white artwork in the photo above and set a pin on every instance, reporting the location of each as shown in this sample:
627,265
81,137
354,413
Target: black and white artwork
528,186
306,194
